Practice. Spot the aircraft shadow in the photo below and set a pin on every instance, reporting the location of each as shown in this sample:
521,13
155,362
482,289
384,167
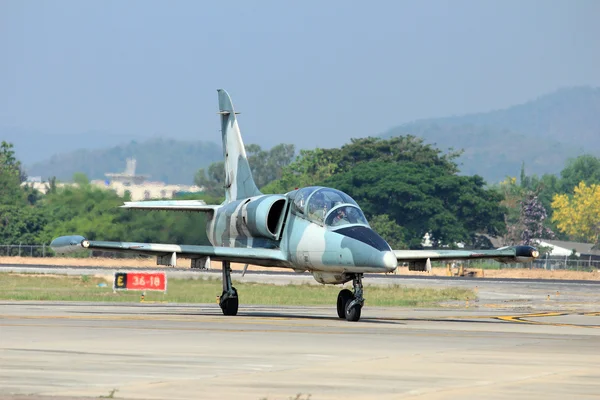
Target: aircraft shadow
249,315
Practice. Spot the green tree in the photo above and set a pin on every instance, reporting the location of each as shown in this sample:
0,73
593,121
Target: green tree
85,210
10,176
212,179
81,179
266,166
95,214
21,224
389,230
585,168
422,199
319,164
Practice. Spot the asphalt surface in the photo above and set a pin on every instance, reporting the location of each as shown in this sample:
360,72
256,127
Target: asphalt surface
519,340
192,352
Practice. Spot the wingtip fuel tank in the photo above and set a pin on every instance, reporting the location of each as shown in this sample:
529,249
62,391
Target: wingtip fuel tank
68,244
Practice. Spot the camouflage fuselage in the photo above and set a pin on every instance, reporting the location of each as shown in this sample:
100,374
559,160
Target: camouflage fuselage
270,221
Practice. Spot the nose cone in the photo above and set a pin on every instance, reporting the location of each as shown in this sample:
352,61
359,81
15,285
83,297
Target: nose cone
369,250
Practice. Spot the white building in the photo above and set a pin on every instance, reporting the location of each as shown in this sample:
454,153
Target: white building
127,182
565,249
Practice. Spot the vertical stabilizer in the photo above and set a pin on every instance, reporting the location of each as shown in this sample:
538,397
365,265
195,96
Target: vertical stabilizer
239,183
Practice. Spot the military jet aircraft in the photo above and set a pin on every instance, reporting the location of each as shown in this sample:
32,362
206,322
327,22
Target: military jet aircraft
317,229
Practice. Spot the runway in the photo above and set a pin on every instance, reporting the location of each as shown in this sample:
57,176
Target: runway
168,351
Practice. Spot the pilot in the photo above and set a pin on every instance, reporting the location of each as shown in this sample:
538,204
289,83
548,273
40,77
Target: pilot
339,216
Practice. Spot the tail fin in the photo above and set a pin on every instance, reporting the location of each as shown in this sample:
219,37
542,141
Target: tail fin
239,183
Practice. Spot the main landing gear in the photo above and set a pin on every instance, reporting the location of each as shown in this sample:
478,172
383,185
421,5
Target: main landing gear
229,300
349,305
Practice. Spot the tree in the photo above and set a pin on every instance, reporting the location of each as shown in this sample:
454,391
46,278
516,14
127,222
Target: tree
319,164
21,224
579,215
94,213
533,217
585,168
512,195
81,179
528,205
212,179
10,176
389,230
420,199
311,166
266,166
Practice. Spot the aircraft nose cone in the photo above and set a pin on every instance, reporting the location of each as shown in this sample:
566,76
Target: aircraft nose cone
390,262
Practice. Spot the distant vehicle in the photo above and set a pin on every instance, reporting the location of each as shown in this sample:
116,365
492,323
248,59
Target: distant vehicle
317,229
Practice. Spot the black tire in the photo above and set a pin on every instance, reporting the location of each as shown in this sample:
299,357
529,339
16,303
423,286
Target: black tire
230,306
353,312
344,297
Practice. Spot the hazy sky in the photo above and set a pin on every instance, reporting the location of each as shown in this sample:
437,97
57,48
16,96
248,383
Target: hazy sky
313,73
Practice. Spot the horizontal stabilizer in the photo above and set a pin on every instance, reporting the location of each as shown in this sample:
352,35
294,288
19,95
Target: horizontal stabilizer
172,205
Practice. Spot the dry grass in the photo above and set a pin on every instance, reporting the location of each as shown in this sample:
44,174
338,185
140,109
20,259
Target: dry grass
520,273
151,263
85,288
141,262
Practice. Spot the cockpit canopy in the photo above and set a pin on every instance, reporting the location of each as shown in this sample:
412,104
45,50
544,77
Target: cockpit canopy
327,206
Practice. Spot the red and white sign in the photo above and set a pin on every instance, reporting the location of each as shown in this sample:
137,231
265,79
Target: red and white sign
140,281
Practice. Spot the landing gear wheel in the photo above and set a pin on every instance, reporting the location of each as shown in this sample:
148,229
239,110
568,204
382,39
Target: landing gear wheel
344,297
353,306
353,309
230,303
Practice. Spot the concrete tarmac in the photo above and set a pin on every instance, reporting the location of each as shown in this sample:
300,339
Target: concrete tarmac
174,351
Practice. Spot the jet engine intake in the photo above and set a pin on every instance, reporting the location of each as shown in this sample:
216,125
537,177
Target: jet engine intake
263,216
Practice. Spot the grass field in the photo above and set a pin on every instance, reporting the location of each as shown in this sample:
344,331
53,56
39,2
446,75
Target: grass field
85,288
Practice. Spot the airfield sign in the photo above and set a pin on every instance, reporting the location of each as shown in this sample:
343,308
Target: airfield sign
140,281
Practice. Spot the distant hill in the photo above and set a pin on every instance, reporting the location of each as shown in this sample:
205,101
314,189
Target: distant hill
544,133
169,161
32,147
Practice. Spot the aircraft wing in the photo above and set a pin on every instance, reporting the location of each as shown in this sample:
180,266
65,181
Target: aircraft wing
264,257
511,254
172,205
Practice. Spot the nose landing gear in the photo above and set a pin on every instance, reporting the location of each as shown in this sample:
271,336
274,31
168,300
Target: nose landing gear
349,305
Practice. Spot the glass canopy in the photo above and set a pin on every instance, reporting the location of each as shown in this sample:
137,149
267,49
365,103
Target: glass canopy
328,206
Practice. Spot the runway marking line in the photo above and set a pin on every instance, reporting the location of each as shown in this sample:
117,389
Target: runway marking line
523,319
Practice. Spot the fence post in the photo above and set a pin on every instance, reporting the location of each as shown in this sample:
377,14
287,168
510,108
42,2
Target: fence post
44,250
19,249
